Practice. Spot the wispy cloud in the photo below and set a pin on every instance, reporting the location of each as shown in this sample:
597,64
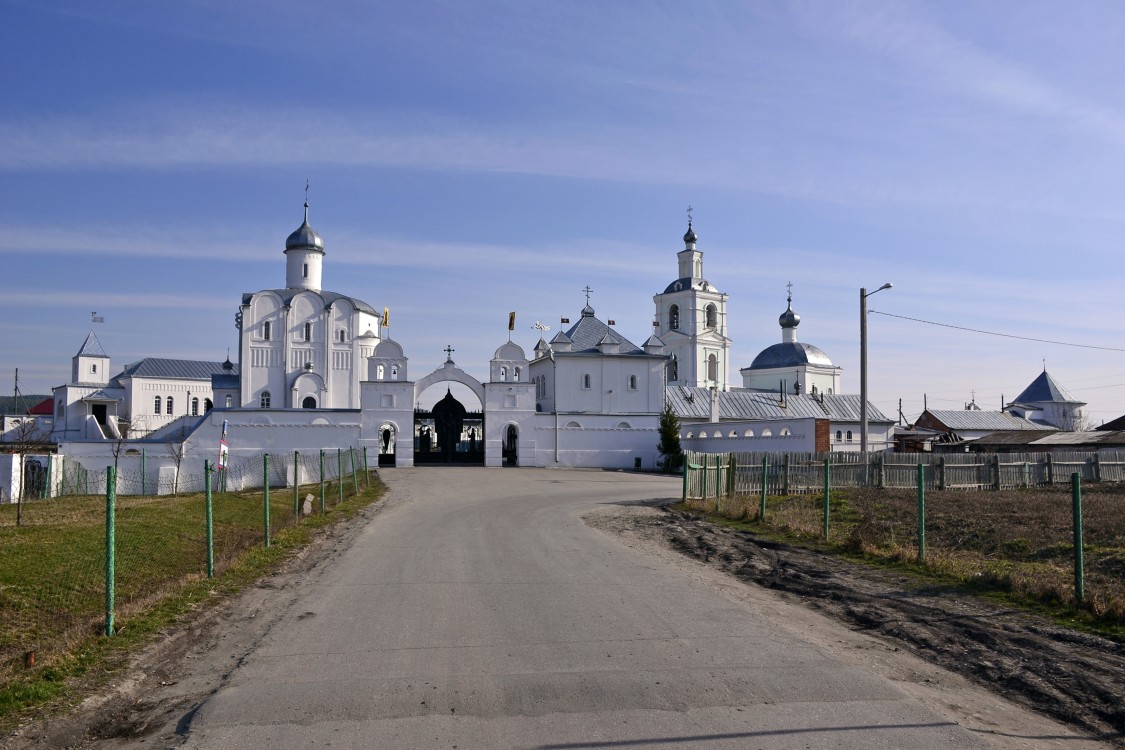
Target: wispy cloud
69,298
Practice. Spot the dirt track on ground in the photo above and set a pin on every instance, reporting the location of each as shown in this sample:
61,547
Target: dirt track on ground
1075,678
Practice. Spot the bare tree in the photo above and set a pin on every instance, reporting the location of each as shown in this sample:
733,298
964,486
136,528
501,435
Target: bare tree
119,442
29,436
177,449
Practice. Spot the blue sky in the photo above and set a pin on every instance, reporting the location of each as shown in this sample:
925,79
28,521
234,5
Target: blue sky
471,158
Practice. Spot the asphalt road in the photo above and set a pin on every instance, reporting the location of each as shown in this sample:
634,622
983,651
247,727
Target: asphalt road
483,613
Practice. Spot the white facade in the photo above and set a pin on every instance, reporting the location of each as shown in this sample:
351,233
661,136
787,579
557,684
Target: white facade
301,347
691,321
792,367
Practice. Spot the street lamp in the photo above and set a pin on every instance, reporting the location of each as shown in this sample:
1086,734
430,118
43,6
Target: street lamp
863,295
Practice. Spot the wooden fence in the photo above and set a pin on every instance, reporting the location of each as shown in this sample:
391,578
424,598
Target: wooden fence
731,474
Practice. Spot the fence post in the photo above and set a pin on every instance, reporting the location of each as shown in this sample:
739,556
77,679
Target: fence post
339,476
765,484
266,495
686,461
144,475
921,513
731,471
322,481
941,473
296,486
210,519
1026,475
881,458
703,492
996,468
1097,466
1050,471
110,551
827,493
355,480
1079,571
785,474
366,471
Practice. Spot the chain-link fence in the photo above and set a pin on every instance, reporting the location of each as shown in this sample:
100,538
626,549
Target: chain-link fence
78,563
1048,541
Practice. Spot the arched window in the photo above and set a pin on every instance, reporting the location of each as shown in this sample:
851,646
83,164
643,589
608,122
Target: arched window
748,433
168,403
308,403
156,405
767,432
632,382
308,331
712,316
849,436
673,369
394,372
208,405
503,373
785,431
712,367
266,329
229,401
379,372
195,407
518,371
839,436
264,401
674,318
343,335
586,381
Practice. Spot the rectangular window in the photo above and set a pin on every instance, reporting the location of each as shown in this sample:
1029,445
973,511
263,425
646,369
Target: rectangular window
156,406
93,368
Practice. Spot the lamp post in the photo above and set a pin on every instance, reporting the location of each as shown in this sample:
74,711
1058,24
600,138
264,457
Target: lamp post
863,295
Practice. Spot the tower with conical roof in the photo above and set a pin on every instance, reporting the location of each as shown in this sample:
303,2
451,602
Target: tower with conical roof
691,321
1046,402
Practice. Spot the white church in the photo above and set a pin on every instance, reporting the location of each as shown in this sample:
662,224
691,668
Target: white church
316,370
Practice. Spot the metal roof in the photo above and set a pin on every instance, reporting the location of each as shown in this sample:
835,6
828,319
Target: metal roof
789,354
91,347
1044,388
329,298
965,419
742,403
588,332
177,369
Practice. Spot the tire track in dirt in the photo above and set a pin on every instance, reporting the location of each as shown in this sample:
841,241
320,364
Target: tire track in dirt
1073,677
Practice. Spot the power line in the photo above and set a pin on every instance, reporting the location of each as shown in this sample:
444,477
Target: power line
1002,335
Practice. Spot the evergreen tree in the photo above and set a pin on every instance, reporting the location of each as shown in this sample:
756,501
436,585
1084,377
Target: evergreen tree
669,445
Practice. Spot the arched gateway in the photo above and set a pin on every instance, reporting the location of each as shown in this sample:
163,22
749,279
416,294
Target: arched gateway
449,433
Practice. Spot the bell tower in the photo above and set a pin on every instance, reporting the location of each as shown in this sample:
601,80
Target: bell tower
691,320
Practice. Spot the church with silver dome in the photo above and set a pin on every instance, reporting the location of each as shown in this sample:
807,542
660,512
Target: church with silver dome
317,369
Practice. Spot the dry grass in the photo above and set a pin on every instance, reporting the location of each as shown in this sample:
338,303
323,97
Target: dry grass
1019,541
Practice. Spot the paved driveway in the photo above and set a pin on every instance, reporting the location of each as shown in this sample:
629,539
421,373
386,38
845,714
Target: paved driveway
483,613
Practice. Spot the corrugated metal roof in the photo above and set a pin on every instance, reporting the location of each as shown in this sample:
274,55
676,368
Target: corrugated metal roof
741,403
1113,437
1044,388
964,419
178,369
287,296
